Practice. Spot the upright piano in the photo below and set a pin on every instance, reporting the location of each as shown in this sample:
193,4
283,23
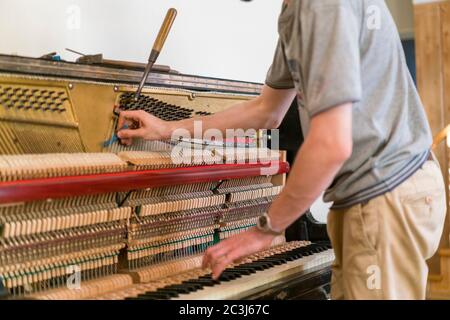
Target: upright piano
84,217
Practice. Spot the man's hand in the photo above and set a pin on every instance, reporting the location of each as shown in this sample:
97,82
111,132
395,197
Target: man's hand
235,248
141,125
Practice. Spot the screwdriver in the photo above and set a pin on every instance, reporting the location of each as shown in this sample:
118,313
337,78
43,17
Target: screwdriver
157,47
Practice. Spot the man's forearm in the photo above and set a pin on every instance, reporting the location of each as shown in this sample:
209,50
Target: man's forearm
244,115
311,174
263,112
327,146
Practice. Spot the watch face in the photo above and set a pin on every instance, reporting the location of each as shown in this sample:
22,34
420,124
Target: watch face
263,221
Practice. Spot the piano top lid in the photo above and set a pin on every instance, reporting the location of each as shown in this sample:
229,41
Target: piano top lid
119,75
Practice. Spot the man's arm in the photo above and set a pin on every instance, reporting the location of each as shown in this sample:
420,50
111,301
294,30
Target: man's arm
328,145
326,148
264,112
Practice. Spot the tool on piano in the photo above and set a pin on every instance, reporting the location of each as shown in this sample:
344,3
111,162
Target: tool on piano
53,56
137,100
87,58
97,59
114,138
157,47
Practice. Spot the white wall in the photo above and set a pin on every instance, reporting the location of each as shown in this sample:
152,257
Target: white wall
221,38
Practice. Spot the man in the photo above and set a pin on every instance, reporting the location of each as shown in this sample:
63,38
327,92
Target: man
367,143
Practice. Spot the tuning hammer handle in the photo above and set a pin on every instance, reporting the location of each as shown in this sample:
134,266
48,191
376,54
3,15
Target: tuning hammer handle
163,33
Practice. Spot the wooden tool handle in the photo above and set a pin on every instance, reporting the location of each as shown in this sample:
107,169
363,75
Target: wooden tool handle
165,29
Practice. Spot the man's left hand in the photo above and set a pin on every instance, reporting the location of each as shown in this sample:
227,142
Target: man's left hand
235,248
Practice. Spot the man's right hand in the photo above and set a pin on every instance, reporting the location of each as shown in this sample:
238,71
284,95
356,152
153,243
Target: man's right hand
141,124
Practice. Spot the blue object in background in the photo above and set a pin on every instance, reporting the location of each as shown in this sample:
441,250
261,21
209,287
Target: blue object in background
114,138
410,53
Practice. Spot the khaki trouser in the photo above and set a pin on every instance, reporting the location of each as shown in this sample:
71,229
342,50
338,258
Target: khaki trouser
381,247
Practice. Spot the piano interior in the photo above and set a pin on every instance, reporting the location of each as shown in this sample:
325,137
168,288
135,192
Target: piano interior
85,219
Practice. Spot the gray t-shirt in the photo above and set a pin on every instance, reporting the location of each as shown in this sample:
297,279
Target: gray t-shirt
340,51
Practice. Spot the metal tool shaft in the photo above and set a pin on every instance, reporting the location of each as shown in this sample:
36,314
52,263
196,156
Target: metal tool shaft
157,47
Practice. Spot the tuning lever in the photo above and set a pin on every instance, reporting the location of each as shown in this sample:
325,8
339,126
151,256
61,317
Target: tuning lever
157,46
165,29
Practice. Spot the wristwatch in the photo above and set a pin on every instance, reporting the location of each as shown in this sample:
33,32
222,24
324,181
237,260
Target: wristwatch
264,225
